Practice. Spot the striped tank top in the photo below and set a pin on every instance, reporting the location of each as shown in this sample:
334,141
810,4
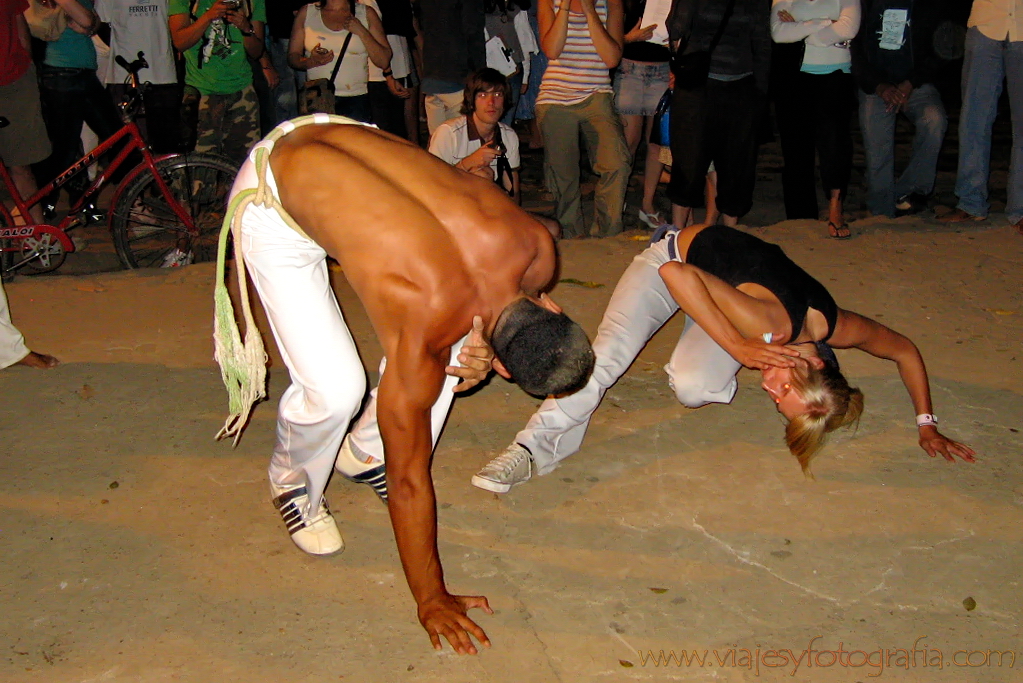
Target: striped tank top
579,71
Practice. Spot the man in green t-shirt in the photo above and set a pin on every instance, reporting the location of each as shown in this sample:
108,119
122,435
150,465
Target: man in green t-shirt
218,37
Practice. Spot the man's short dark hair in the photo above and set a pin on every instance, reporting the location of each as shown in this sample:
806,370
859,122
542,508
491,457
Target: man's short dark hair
546,353
484,80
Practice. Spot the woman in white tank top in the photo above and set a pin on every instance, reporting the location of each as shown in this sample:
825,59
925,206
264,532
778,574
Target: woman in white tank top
317,37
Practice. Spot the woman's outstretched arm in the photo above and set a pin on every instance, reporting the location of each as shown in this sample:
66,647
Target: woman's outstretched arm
853,330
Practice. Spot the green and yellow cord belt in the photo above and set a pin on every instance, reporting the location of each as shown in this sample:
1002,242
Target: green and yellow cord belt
243,362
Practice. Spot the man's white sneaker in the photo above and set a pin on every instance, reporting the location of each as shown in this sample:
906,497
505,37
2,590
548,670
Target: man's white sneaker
316,534
514,466
373,474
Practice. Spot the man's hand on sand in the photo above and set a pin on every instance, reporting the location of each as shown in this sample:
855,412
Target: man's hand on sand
475,357
39,361
445,616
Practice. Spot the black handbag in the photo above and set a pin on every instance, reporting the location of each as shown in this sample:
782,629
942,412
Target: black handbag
317,95
691,69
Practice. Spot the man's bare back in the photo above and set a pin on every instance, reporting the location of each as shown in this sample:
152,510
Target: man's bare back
406,227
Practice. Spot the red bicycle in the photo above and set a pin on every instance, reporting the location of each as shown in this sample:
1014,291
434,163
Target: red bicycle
168,202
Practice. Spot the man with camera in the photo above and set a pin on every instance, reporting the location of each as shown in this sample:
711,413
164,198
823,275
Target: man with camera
217,38
477,141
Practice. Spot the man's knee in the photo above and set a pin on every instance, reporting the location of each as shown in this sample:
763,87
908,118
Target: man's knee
337,398
933,121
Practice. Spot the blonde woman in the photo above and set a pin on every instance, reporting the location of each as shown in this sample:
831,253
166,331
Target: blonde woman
317,38
749,305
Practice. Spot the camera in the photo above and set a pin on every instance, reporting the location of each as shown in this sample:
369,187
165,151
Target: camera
232,4
499,146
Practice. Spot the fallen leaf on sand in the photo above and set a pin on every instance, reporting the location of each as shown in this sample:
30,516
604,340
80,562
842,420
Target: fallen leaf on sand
581,283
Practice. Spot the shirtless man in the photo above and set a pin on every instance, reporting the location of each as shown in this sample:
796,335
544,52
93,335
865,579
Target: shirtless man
427,248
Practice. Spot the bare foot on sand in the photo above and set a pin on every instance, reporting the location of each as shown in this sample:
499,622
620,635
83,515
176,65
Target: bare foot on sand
39,361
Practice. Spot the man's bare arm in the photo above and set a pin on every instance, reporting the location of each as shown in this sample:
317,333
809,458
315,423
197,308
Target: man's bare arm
408,390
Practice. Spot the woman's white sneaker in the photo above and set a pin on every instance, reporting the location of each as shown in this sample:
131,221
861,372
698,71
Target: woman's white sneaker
514,466
315,533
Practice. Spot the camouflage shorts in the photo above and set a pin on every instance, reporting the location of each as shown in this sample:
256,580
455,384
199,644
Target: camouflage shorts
228,124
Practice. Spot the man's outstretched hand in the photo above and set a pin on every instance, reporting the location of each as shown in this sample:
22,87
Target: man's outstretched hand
475,358
445,616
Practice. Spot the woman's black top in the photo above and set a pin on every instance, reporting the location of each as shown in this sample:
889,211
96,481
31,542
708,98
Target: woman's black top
738,258
644,51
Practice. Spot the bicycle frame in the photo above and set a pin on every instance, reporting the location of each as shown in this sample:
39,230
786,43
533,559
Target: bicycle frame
136,143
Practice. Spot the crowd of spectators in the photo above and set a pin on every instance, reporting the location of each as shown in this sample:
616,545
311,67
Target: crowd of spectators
581,79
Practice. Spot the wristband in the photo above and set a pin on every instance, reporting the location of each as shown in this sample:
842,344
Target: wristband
388,72
926,420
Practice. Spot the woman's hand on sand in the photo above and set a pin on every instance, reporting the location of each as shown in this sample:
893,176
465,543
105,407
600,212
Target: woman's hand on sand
936,443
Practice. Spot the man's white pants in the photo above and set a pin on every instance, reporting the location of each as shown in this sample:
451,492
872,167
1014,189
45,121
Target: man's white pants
328,381
700,371
12,344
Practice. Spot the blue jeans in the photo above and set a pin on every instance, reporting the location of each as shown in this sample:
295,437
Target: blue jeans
927,114
988,62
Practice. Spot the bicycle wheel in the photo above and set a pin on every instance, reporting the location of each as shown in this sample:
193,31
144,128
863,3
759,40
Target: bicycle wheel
145,228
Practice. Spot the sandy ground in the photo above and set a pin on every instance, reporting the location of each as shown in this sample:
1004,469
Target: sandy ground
137,548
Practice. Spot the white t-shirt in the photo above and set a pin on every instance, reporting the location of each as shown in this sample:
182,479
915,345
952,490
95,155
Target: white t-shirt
138,25
353,75
451,143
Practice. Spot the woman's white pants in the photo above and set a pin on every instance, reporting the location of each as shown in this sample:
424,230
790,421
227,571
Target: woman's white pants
700,371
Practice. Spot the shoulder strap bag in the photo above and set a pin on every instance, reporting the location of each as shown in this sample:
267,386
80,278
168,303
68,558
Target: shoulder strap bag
318,94
691,69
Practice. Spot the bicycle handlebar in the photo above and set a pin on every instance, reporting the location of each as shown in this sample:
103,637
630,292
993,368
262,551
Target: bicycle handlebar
132,99
133,68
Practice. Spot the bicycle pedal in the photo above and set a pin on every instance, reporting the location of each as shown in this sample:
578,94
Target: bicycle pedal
91,215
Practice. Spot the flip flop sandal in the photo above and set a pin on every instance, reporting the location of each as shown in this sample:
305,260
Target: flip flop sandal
839,232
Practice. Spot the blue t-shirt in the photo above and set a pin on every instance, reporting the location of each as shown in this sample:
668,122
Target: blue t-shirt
72,50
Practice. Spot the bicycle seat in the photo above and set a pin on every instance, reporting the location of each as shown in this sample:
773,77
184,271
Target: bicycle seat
4,122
